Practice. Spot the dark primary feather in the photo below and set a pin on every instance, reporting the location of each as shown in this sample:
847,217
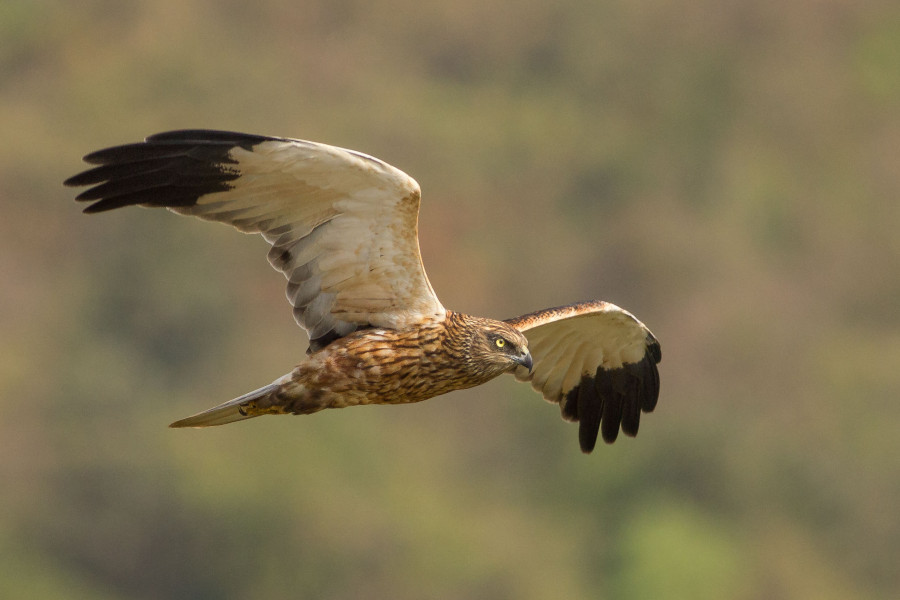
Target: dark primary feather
168,169
614,398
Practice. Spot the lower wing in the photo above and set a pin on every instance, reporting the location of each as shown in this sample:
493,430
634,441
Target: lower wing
597,361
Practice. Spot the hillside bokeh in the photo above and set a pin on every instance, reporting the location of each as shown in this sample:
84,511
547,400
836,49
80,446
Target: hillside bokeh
728,171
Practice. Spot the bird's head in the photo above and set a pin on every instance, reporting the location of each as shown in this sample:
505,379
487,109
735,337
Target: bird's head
497,348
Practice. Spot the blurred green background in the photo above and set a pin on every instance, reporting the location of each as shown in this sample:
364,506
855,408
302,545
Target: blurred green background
728,171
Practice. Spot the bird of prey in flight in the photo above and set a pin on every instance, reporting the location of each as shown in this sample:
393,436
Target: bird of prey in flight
343,229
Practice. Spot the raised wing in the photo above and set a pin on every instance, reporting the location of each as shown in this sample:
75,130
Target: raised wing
597,361
342,225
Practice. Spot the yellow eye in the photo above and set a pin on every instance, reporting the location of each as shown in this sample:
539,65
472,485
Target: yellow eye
500,342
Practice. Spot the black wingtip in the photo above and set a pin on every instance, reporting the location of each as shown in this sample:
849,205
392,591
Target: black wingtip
654,350
233,138
94,209
172,169
588,409
587,437
74,180
612,400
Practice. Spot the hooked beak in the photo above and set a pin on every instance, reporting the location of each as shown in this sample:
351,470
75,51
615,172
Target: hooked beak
525,361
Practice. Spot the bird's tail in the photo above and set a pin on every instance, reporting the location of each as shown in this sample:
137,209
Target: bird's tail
242,407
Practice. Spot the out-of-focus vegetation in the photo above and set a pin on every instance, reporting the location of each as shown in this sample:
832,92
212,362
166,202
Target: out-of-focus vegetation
726,170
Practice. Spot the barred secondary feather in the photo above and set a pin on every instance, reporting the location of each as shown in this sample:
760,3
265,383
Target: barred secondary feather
343,230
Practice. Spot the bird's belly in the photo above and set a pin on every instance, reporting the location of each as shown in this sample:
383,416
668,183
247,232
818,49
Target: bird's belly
402,384
348,375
